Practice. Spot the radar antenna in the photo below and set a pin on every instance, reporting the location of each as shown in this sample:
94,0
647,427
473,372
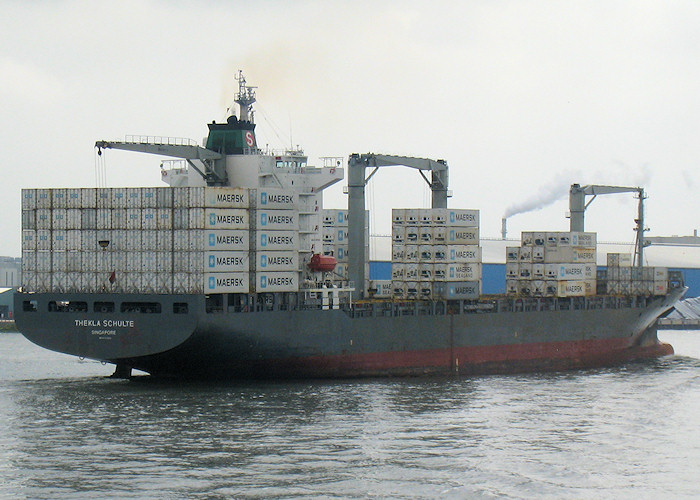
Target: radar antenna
245,98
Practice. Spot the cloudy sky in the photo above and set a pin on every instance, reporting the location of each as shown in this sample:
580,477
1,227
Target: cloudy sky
520,98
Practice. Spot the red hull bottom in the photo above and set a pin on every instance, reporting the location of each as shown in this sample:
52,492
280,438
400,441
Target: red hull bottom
479,360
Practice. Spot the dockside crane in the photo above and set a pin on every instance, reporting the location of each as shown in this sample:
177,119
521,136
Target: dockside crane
357,164
578,206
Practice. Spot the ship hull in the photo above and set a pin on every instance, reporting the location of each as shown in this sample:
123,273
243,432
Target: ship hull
337,343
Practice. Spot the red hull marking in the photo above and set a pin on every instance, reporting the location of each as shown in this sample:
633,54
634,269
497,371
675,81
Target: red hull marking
575,353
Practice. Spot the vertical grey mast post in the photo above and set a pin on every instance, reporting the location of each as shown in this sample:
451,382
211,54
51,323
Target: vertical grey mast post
577,207
439,184
639,251
356,224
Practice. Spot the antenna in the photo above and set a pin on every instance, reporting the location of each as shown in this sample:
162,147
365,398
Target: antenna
245,97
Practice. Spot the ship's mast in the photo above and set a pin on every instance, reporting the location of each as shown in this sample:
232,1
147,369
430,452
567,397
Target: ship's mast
245,98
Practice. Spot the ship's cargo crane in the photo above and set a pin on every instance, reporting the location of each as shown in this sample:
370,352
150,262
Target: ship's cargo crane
357,164
578,206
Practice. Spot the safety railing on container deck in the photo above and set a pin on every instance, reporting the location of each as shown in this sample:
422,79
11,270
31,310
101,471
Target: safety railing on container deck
154,139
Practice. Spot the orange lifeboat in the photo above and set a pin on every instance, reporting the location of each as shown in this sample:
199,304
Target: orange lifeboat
322,263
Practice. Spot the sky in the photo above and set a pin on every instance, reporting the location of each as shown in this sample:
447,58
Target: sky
521,98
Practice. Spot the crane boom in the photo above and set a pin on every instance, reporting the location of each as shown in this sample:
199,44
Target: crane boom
356,201
578,206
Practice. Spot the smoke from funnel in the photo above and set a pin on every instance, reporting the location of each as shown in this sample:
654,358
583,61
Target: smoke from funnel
545,196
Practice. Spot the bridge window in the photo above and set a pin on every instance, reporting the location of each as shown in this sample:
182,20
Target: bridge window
30,305
67,306
103,307
180,307
141,307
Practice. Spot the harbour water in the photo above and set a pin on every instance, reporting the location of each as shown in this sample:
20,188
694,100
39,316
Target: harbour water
67,431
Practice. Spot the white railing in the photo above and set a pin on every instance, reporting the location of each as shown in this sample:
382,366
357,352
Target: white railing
154,139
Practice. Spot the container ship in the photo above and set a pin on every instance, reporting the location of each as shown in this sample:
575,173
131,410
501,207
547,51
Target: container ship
236,270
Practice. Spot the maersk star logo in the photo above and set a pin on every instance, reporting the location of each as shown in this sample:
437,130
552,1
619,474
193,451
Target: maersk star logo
263,281
212,282
263,219
263,198
452,235
452,219
340,217
263,240
340,235
212,219
263,261
212,240
212,261
452,254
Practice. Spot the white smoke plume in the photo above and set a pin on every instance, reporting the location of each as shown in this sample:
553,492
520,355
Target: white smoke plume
546,195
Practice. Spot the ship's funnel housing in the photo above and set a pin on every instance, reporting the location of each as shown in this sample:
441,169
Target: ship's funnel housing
236,136
231,138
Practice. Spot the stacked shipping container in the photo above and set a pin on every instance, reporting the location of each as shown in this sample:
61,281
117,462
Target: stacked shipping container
623,279
435,254
552,264
159,240
335,241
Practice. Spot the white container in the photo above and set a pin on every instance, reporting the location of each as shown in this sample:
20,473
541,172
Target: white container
398,234
226,282
43,239
425,217
398,253
103,219
43,218
164,283
411,216
59,198
411,235
277,240
181,282
512,287
103,262
58,241
134,241
72,262
164,241
197,218
164,262
580,288
58,262
284,220
538,254
226,218
181,199
625,273
398,289
398,271
103,198
28,261
276,282
196,240
412,254
28,219
149,197
463,253
74,240
119,218
43,282
164,218
462,235
226,262
524,271
527,238
463,272
412,272
425,272
59,218
29,199
398,216
73,218
164,198
463,218
341,235
43,198
149,262
579,239
525,288
512,270
383,288
425,253
133,262
28,240
149,240
341,253
562,254
538,271
149,218
119,197
659,274
196,198
440,253
278,199
440,216
412,288
181,262
133,198
512,254
277,261
88,261
617,259
88,218
525,254
227,239
570,271
660,287
539,239
439,235
88,198
196,262
468,290
119,240
440,272
133,218
539,288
